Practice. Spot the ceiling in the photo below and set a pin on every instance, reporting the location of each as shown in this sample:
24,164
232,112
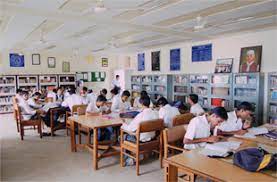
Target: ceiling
60,26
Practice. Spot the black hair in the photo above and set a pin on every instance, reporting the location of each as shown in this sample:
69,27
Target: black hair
18,91
126,93
220,112
193,98
104,91
143,93
162,101
245,106
114,91
85,89
101,98
90,91
117,76
72,90
55,90
24,92
145,101
37,94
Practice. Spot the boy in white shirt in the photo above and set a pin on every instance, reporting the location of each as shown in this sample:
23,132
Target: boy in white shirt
97,106
195,108
121,103
53,94
167,112
198,132
34,101
137,104
236,125
84,94
73,99
104,92
18,95
26,111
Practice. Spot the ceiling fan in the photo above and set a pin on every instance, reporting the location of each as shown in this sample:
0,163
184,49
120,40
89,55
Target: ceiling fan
200,23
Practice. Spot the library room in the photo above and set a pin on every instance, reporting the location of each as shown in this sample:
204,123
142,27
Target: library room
138,90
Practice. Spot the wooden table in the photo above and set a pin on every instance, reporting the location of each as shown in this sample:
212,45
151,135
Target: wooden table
95,123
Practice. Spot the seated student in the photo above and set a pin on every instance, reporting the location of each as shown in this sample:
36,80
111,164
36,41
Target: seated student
136,101
91,96
98,106
199,129
18,95
114,93
146,114
195,108
84,94
53,94
167,112
60,94
26,111
73,99
236,121
104,92
34,101
121,103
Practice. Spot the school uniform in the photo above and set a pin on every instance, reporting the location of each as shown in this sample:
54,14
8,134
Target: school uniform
72,100
19,98
199,127
115,83
145,115
93,108
233,123
91,97
196,109
52,95
118,104
137,104
31,101
167,113
26,111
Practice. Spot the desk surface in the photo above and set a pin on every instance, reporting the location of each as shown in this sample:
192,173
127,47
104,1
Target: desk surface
215,169
97,121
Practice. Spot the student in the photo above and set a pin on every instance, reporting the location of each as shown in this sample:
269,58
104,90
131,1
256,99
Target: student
73,99
34,101
98,106
26,111
195,108
167,112
84,94
199,129
137,104
18,95
121,103
116,83
146,114
104,92
60,94
91,96
53,94
236,120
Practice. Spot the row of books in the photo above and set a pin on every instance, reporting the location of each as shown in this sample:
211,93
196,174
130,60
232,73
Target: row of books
5,99
146,79
179,79
239,92
221,79
135,87
6,108
245,79
27,80
181,89
199,90
7,80
273,109
48,79
135,79
160,79
160,88
273,94
199,79
5,90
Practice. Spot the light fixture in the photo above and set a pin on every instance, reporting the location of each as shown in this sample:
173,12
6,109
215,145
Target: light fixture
100,7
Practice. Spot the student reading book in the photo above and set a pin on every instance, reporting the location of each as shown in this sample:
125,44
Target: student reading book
121,103
195,107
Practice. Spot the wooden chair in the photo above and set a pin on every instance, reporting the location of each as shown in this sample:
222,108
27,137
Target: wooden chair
68,114
173,142
182,119
15,101
83,129
138,147
49,99
24,123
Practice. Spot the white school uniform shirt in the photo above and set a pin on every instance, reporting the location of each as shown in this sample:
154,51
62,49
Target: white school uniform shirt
145,115
167,113
19,98
91,97
31,101
26,111
198,127
137,104
52,95
118,104
115,83
72,100
92,107
196,109
233,123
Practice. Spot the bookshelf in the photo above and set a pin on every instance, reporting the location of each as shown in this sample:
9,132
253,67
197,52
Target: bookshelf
162,87
200,85
48,82
249,87
146,84
181,87
67,80
272,98
221,90
135,85
7,91
28,82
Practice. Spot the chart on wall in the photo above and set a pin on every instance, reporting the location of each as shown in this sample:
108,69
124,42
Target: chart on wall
141,62
175,60
201,53
16,60
155,59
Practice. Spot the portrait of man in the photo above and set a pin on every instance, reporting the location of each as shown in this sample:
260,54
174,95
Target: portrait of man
250,59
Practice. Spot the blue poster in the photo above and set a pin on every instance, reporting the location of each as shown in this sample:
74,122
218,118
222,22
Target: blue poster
141,62
201,53
175,60
16,60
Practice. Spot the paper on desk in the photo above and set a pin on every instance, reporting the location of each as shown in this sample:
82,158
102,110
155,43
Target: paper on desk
246,135
258,130
220,149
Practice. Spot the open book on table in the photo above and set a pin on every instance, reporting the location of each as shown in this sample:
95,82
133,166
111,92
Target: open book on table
252,132
220,149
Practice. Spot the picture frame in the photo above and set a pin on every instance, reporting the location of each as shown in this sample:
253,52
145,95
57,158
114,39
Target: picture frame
35,59
17,60
224,65
202,53
175,59
250,59
105,62
155,59
141,62
66,66
51,62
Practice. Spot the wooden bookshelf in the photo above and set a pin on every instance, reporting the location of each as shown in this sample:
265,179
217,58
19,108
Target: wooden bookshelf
7,91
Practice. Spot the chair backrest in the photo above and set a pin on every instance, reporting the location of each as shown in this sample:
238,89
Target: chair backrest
174,134
182,119
151,125
81,108
17,112
49,99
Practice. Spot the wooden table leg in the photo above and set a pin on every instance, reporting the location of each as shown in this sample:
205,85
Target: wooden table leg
171,173
51,123
95,148
73,139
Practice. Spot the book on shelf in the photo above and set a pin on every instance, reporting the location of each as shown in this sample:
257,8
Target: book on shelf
218,102
7,80
199,78
181,89
221,79
6,108
6,99
181,79
135,79
273,81
160,79
160,88
273,94
245,92
245,79
273,109
7,90
146,79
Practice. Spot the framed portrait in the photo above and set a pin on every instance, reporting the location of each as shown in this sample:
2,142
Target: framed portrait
175,59
224,65
105,62
35,59
51,62
66,66
250,59
141,62
155,58
17,60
